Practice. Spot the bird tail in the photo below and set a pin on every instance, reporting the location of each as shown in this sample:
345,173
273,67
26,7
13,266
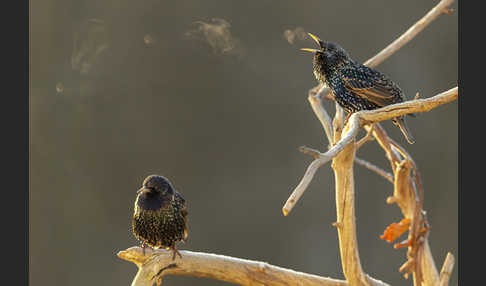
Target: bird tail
400,122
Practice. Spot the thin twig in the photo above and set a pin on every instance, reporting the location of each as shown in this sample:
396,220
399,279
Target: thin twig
309,151
410,33
378,170
365,139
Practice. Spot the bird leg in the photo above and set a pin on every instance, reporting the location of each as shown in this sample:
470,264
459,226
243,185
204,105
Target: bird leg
144,245
143,248
175,251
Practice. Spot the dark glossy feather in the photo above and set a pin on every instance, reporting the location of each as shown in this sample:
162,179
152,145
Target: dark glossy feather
371,85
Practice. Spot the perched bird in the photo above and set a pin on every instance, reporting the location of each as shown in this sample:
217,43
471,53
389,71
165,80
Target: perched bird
354,86
160,215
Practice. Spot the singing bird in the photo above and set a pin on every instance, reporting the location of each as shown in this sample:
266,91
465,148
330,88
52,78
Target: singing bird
160,215
355,86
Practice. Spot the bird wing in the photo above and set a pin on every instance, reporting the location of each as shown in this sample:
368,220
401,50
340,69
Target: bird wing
370,85
182,204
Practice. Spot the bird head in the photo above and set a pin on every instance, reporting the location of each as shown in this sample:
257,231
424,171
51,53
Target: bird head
328,53
156,185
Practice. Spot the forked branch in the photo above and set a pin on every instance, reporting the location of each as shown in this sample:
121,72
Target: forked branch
358,120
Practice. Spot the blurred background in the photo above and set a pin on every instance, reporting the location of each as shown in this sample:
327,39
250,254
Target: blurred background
213,95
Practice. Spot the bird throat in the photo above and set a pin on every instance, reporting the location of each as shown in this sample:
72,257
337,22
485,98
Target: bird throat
152,202
318,66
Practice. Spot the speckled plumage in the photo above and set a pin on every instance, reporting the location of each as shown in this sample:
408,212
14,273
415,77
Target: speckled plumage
354,86
160,215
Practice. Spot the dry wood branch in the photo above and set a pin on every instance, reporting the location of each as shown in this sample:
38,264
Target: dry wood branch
311,170
410,33
321,113
343,172
365,139
446,271
412,106
420,260
403,194
426,264
409,197
219,267
379,171
382,138
355,121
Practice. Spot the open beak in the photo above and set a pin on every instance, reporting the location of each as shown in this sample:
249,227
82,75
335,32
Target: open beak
317,40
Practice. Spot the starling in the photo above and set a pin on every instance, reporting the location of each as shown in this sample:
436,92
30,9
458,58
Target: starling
354,86
160,216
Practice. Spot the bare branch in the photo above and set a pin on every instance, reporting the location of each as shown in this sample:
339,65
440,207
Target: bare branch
383,140
219,267
426,265
409,197
346,222
411,106
351,129
379,171
440,8
321,113
309,151
303,184
365,139
446,271
311,170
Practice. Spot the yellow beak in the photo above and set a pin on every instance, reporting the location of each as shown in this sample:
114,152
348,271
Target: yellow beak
309,50
315,38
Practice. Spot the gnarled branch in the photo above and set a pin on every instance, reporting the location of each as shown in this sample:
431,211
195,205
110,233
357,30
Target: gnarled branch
157,263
